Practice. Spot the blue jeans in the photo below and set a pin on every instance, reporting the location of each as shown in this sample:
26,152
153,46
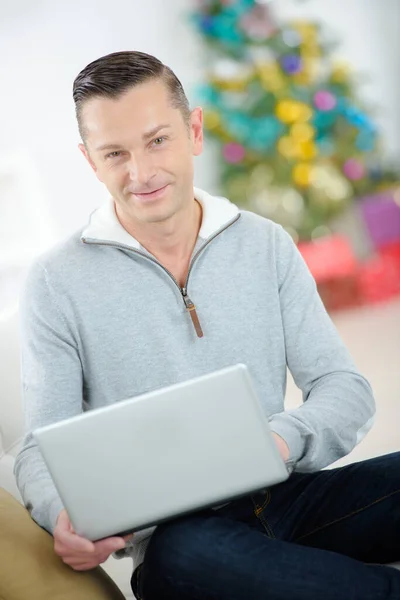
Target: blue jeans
313,537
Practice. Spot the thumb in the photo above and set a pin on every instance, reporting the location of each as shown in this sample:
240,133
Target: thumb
63,522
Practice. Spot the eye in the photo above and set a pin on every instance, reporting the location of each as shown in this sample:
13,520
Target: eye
158,141
114,154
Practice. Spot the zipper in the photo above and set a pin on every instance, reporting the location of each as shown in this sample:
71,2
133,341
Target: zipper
189,304
192,312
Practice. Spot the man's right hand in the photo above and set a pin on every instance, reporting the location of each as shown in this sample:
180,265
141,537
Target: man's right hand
78,552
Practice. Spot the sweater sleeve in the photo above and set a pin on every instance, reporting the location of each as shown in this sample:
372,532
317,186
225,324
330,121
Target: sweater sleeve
338,403
51,387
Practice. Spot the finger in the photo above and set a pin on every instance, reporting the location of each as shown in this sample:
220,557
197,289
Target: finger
83,567
73,560
65,540
84,558
109,545
78,557
63,522
128,538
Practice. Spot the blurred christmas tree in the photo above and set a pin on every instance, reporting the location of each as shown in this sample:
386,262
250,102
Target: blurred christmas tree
296,144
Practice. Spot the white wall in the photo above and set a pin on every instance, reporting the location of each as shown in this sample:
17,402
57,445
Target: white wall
44,44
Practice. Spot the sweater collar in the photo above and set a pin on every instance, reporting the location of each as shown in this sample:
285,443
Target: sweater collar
105,226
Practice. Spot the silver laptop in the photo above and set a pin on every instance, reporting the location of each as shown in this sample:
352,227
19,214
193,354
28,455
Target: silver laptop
139,462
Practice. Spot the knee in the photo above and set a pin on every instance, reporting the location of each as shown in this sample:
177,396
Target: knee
179,558
179,544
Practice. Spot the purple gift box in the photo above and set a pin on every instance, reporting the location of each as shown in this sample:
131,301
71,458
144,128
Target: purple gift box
381,214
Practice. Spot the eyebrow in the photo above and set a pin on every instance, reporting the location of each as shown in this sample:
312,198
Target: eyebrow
154,131
146,136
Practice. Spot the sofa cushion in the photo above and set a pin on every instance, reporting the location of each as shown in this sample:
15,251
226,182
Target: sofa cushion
7,479
11,419
29,568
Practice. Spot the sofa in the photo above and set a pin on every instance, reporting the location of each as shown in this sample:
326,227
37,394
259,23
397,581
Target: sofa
59,580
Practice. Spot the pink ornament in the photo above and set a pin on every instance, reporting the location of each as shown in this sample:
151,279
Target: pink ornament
353,169
233,153
325,100
257,24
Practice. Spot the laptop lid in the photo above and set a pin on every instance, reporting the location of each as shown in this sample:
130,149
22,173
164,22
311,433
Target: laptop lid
174,450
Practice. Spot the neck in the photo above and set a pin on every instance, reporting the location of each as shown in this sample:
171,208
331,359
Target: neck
170,241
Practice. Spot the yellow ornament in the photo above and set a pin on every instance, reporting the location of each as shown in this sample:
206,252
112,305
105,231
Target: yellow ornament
303,78
310,50
302,174
305,113
340,73
211,119
284,111
271,77
287,147
230,85
307,150
307,31
291,111
302,132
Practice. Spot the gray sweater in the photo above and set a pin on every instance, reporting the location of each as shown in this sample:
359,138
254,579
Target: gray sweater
102,321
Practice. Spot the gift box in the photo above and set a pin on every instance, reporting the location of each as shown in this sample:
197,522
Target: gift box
329,258
381,214
379,278
392,252
334,267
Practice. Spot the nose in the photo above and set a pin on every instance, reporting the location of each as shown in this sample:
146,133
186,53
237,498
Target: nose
141,170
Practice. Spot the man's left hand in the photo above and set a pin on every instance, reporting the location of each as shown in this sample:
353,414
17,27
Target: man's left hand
282,446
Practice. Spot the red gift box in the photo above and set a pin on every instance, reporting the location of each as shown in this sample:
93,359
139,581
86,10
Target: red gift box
329,258
334,267
392,252
379,278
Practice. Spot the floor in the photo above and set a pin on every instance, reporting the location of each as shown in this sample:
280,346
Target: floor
373,337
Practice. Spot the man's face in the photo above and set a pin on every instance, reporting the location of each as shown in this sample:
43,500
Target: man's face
142,149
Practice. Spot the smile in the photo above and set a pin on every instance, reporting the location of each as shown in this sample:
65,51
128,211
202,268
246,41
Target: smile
155,194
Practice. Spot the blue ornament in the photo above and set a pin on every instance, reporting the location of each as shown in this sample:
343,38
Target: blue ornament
264,133
207,23
239,125
207,95
323,121
357,118
225,28
291,63
270,127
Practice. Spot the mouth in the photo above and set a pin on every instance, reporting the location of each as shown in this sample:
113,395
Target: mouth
154,195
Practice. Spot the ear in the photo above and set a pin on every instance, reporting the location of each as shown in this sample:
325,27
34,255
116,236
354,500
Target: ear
196,130
86,154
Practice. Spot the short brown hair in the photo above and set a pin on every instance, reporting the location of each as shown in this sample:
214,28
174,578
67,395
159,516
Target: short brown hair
112,75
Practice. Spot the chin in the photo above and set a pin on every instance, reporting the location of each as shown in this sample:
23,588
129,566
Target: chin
159,216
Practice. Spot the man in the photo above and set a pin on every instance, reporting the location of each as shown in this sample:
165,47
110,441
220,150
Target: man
166,283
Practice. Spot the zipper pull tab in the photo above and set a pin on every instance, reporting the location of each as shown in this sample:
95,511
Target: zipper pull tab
193,313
